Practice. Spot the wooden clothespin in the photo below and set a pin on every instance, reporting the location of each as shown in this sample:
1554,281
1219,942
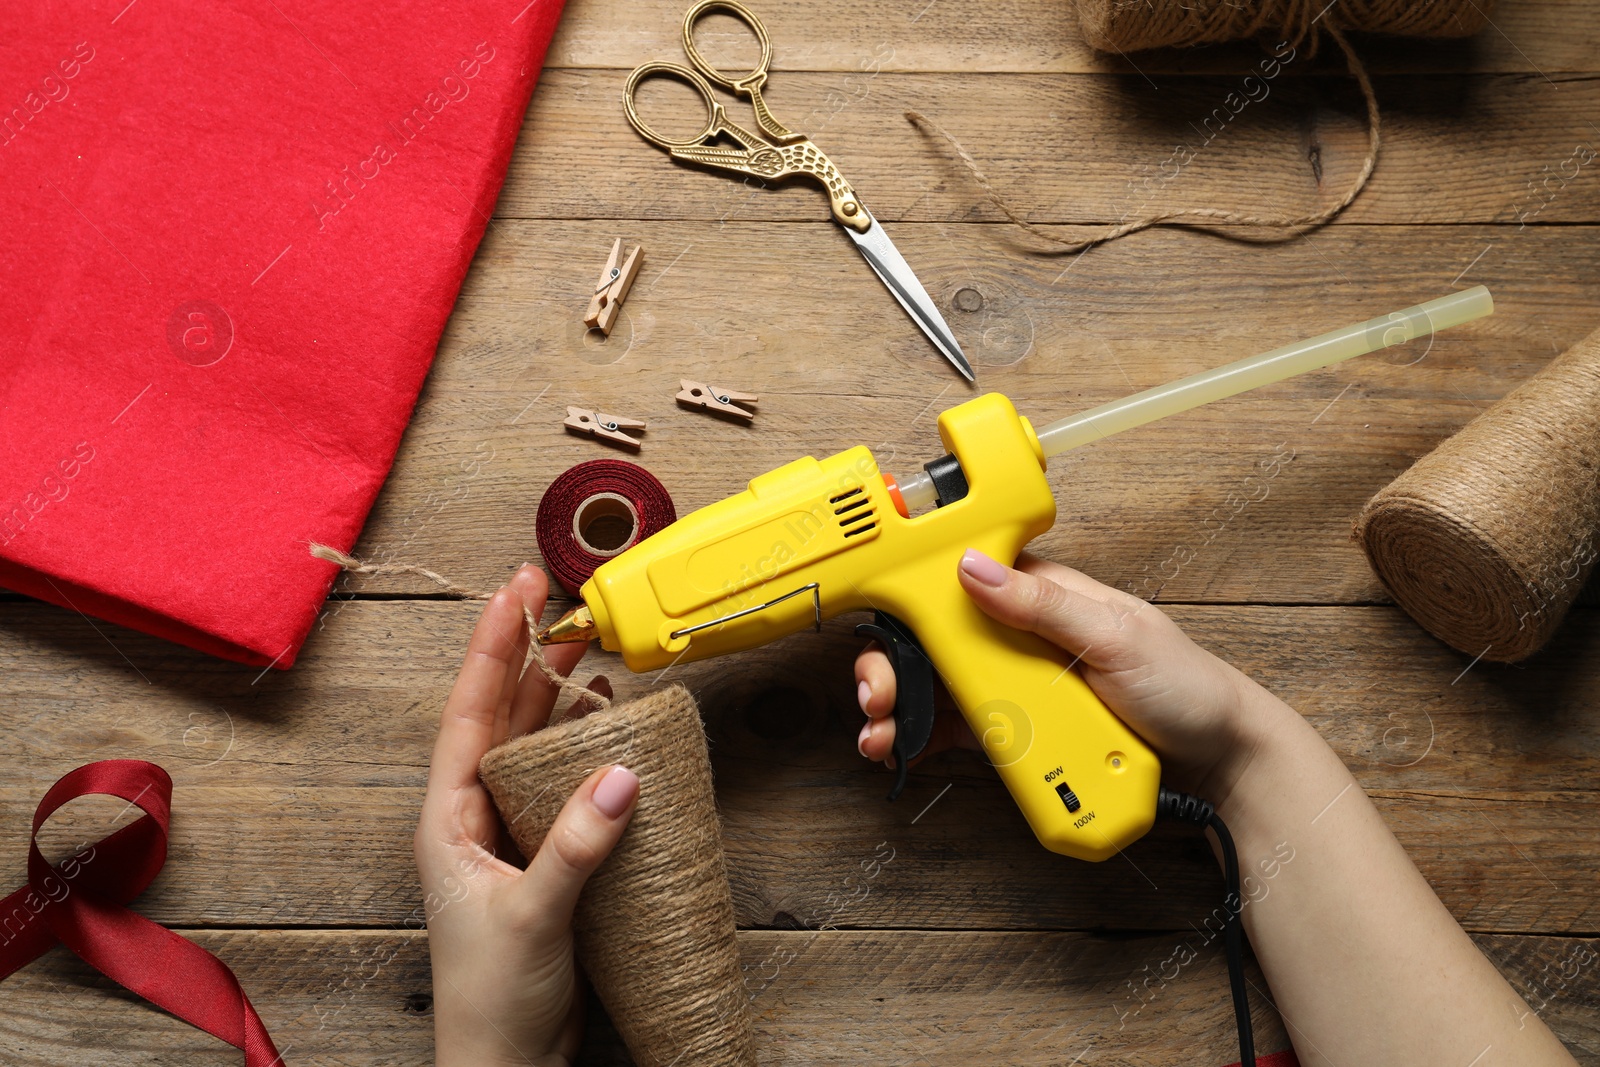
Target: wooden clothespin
603,427
724,402
612,288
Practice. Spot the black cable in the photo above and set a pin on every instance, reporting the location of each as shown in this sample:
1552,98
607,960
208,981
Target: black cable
1191,809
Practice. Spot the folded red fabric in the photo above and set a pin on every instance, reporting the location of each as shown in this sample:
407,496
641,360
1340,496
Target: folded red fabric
234,233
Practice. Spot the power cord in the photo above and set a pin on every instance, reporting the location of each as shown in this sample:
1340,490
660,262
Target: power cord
1191,809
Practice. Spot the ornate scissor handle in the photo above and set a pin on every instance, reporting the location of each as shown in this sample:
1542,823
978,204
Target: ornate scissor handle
760,158
716,118
750,84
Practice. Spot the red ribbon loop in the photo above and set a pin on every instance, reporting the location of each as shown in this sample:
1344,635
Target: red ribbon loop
80,904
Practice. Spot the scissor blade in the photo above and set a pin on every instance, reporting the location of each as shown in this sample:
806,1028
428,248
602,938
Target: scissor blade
886,261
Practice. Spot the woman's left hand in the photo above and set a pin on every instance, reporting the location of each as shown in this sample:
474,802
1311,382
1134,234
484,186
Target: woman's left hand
505,986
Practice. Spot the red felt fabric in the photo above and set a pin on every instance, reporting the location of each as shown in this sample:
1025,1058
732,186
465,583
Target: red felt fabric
234,231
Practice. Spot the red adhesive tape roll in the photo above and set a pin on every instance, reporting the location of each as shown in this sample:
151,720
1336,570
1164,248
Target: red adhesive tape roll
593,512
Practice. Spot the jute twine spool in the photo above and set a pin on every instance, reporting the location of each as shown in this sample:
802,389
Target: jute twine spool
1132,25
654,927
1124,26
1488,538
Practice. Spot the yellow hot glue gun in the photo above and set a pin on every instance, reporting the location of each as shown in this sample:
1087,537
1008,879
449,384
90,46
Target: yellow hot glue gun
813,539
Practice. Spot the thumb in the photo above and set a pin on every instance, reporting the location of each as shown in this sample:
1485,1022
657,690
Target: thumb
583,835
1090,628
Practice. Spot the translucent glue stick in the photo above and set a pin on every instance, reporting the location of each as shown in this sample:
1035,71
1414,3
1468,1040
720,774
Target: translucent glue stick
1395,328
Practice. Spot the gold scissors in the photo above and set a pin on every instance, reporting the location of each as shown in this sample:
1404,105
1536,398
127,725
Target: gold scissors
777,152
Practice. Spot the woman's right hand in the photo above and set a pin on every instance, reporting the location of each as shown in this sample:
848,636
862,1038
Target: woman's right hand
1358,950
1190,706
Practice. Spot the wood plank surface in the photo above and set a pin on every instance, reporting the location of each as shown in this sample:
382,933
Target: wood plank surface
843,997
297,793
1456,148
838,364
1038,36
1486,775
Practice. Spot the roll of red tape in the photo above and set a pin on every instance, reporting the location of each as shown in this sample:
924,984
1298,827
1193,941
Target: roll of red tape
595,511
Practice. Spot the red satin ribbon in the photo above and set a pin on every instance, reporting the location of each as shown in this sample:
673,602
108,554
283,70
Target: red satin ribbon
80,905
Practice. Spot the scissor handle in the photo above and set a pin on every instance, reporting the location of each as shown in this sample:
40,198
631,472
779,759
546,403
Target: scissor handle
747,84
716,121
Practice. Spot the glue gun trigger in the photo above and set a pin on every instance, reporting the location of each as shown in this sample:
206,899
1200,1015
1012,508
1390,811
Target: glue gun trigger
913,697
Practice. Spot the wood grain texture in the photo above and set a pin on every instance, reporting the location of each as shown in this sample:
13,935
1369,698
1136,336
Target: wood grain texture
1455,148
297,793
360,998
1485,776
1036,36
837,364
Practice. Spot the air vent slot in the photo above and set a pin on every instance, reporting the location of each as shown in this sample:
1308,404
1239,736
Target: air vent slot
855,511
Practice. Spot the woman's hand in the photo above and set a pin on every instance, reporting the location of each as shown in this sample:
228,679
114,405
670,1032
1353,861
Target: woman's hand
1190,706
505,988
1357,949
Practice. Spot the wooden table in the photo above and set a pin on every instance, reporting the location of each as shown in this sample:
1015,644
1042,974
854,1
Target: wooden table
297,792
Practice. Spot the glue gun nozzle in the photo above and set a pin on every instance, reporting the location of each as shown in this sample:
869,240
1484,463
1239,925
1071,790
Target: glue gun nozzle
575,625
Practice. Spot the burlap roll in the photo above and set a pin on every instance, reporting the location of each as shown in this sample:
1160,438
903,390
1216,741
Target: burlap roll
1489,537
654,928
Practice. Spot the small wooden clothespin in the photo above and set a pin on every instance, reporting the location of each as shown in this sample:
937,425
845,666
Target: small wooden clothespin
612,288
603,427
724,402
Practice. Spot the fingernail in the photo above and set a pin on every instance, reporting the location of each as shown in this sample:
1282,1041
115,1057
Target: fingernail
863,694
983,568
616,791
861,738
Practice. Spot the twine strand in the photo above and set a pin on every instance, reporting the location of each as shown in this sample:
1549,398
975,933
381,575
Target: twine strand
1201,218
562,683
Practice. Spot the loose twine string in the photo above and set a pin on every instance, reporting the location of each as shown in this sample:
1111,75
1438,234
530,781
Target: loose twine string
560,681
1204,218
1122,26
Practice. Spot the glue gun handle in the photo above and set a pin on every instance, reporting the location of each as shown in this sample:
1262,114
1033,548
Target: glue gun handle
913,695
1085,782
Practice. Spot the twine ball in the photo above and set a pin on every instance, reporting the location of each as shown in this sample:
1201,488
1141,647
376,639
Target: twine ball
1487,540
1131,25
654,927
